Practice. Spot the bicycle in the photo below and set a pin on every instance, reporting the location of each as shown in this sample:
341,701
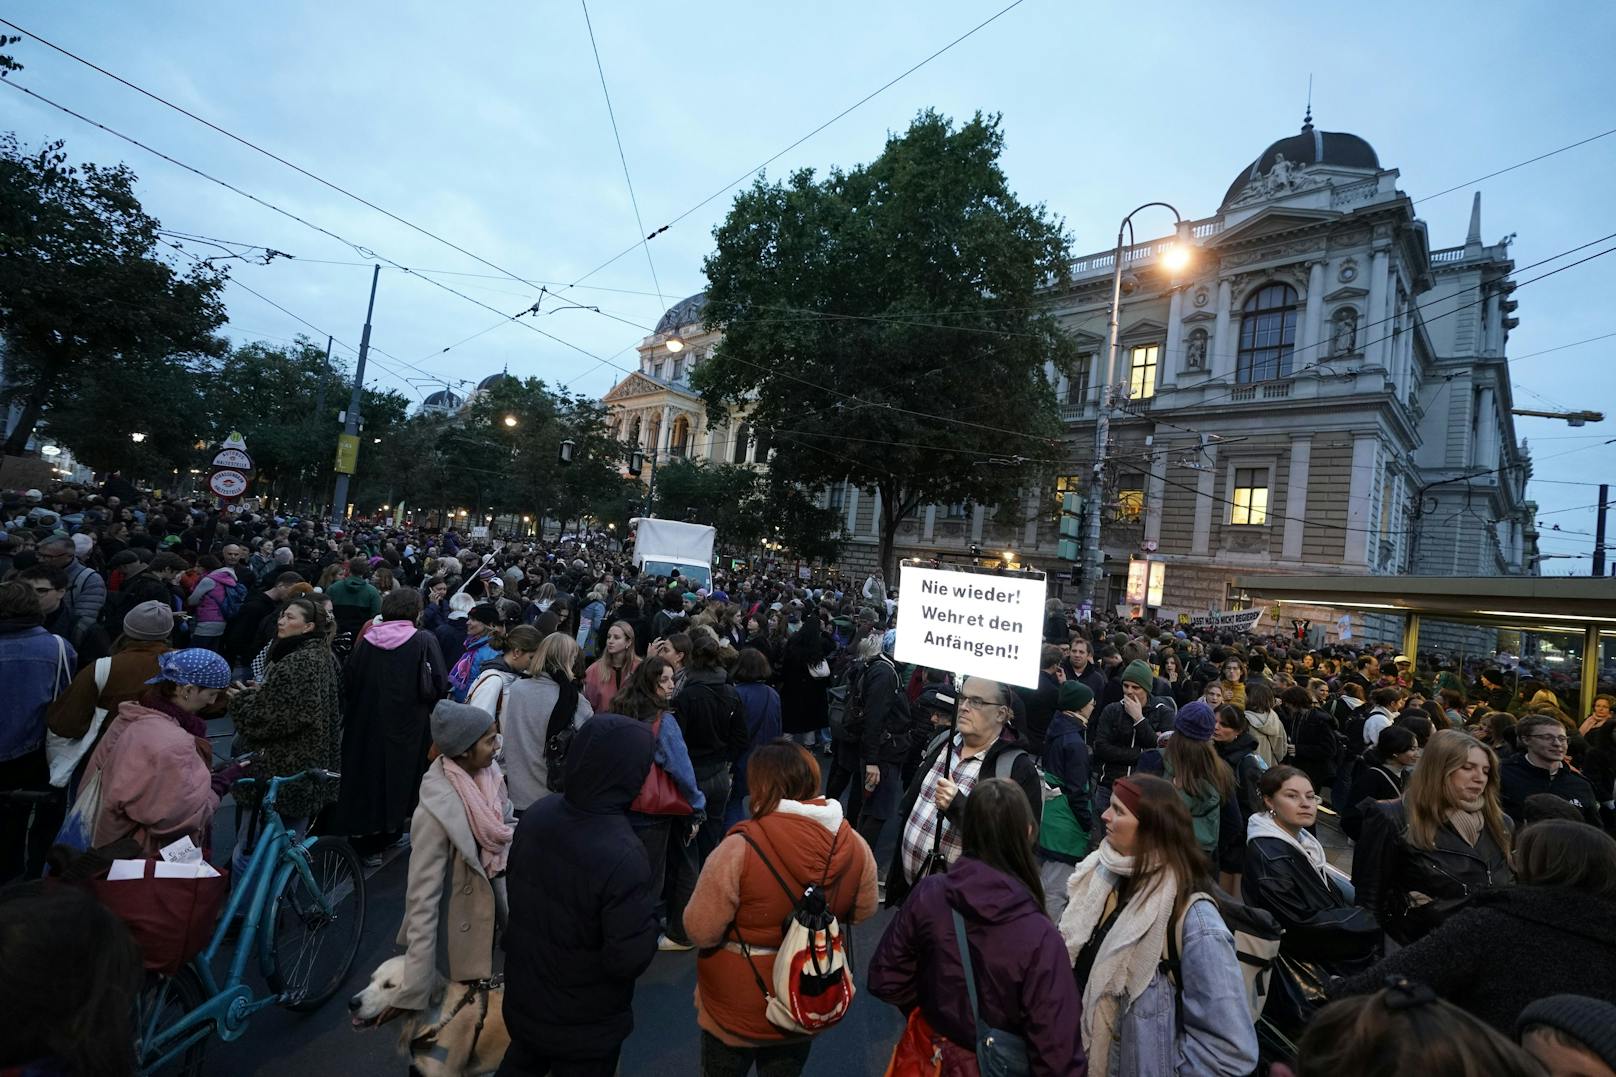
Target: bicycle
296,894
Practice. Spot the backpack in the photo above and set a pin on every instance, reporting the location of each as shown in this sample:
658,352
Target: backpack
1256,946
230,600
813,976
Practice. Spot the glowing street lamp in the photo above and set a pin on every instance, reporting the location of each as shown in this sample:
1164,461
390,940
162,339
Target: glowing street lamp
674,344
137,437
567,449
510,421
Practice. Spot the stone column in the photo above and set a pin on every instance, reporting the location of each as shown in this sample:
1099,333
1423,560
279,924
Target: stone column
875,516
1221,359
931,523
1486,429
1172,360
852,509
1296,496
1308,347
1206,483
1377,328
1360,497
665,432
978,514
1155,494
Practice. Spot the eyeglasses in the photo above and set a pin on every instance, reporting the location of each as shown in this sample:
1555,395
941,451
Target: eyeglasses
975,703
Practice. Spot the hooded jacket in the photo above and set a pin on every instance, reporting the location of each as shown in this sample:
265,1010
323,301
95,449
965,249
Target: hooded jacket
1023,976
1248,766
529,702
737,900
1565,942
582,924
711,718
1272,743
156,785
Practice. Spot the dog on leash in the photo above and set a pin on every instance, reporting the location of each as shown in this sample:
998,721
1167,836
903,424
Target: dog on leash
461,1032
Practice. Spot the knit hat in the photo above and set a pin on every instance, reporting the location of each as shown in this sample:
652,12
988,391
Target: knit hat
457,726
1074,696
1139,673
82,544
1195,721
719,596
149,621
1589,1021
193,665
485,612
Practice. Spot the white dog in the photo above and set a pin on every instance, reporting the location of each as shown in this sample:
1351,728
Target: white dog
461,1032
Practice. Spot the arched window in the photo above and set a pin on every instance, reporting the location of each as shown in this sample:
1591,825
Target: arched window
679,444
1267,335
737,449
634,431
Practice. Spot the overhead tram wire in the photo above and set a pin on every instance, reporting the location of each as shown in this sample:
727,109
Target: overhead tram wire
1518,164
617,136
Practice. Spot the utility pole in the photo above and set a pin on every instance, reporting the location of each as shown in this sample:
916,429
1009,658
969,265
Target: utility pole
346,462
1599,530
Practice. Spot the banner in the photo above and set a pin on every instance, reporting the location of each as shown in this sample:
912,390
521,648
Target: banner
1236,620
986,624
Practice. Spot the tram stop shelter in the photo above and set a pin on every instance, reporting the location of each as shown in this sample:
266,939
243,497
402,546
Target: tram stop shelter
1565,605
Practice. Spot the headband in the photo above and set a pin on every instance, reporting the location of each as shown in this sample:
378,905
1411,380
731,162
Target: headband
1128,792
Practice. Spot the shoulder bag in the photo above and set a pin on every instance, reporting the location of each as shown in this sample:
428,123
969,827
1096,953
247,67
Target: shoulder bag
64,753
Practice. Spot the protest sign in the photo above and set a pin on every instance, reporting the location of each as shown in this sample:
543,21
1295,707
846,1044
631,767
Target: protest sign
1233,620
977,623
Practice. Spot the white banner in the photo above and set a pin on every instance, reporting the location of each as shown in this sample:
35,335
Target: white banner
1238,620
973,623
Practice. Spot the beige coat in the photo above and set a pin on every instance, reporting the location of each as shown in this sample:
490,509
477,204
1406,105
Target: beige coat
444,860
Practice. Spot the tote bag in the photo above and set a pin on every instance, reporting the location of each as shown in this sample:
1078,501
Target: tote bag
659,796
64,753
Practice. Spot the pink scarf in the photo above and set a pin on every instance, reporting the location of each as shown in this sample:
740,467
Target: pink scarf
483,794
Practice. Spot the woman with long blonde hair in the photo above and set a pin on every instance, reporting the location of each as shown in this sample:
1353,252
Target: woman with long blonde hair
607,674
1423,857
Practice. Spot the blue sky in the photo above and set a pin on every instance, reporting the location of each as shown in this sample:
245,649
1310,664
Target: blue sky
488,127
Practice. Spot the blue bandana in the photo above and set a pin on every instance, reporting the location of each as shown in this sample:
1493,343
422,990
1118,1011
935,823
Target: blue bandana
193,665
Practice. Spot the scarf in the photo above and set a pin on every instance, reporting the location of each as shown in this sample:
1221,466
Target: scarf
483,794
1129,956
460,675
1467,823
1264,825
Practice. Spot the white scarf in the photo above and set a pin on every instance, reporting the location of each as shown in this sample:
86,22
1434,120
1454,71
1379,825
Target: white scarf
1129,956
1264,825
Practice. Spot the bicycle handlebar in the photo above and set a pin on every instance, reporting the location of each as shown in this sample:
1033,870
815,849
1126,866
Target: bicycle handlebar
275,783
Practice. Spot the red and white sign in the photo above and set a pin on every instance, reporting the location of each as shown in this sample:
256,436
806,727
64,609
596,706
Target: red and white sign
228,483
234,459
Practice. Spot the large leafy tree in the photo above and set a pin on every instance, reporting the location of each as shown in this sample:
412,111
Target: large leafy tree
883,325
747,506
85,297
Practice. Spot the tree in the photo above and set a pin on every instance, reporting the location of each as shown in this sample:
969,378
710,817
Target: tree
884,325
83,291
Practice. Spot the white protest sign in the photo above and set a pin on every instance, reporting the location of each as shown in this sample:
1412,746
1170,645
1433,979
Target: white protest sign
978,624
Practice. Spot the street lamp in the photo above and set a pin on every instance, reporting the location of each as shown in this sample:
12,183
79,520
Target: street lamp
567,449
636,462
1174,259
137,438
510,420
674,344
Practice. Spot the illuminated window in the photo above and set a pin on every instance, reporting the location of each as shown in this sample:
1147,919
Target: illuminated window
1267,335
1065,484
1250,496
1077,384
1131,496
1142,371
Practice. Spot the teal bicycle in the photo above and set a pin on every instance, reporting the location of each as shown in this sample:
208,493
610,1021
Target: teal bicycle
302,910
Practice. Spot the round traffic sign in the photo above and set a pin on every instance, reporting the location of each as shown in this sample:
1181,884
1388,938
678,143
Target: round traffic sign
228,483
234,459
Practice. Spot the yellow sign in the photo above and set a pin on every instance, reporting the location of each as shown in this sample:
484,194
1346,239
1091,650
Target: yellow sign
347,453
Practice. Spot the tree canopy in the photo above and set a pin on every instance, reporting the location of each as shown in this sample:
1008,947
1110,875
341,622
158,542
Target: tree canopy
883,325
84,294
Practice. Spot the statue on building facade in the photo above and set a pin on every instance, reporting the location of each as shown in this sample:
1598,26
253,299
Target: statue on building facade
1344,332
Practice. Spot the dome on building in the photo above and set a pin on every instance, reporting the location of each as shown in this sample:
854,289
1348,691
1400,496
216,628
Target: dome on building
684,312
492,380
443,398
1309,147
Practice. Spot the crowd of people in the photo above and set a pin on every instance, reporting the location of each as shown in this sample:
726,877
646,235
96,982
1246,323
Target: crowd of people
585,767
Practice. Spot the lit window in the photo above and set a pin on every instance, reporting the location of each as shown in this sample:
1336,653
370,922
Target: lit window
1131,496
1267,335
1077,384
1250,496
1066,484
1142,372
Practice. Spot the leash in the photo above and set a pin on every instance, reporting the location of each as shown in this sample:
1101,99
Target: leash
478,989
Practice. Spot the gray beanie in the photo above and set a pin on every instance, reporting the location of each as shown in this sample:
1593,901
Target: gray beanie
457,726
149,621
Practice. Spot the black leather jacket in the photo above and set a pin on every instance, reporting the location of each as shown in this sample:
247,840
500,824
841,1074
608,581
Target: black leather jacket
1388,870
1320,924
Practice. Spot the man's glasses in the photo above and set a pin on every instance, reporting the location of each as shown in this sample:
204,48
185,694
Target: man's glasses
976,703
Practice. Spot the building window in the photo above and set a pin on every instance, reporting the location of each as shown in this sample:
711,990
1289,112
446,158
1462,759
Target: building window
1142,371
679,442
737,447
1065,484
1130,498
955,511
837,501
656,370
1250,497
1267,335
678,370
1077,383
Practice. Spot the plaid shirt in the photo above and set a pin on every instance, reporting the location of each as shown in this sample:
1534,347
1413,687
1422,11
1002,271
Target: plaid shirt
924,819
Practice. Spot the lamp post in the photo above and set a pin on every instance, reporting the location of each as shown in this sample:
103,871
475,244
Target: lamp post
1175,259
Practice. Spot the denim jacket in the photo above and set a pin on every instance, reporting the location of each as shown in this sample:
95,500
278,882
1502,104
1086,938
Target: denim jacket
1217,1039
32,671
672,756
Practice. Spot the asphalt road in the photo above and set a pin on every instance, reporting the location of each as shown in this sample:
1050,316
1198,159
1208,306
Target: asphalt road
665,1041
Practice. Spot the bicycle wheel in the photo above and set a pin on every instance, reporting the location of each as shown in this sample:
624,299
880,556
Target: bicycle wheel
162,1003
311,951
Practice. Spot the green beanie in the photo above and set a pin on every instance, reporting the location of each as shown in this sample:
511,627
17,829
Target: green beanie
1139,673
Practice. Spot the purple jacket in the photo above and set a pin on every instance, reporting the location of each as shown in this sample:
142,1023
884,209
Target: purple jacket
1024,978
